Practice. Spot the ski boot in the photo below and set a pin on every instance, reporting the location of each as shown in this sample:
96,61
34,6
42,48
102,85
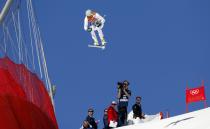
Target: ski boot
103,42
96,43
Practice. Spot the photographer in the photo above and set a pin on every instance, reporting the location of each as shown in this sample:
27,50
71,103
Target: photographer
123,96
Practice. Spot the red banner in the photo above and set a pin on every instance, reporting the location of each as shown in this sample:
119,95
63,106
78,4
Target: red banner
195,94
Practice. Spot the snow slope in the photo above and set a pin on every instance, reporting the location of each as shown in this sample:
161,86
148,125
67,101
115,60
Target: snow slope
194,120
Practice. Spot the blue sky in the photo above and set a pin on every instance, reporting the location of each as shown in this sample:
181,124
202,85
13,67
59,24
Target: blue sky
158,45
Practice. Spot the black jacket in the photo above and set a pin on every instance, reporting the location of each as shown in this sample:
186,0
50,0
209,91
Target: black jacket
106,123
92,122
137,111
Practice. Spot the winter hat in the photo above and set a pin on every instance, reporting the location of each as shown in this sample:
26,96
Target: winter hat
126,82
90,110
138,97
114,103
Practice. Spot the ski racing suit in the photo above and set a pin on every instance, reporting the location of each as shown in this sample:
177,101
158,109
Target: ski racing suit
93,23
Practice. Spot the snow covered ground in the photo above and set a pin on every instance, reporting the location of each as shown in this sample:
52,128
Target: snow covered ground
194,120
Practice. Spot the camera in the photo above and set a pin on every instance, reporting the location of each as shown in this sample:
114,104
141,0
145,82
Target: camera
119,85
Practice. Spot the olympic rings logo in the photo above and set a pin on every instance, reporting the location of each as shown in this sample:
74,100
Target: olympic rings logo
194,92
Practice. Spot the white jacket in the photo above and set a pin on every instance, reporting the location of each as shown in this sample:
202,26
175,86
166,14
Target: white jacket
97,17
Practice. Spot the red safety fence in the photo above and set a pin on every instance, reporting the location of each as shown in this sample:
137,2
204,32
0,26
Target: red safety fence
24,98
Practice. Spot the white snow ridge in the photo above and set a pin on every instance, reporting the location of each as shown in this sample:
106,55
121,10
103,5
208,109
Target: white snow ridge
194,120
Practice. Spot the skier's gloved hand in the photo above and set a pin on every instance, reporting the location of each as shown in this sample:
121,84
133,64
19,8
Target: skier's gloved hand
89,29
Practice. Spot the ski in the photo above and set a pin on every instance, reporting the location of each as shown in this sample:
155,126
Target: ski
95,46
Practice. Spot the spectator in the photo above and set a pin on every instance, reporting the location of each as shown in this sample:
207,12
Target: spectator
137,110
86,125
123,96
91,119
112,115
105,119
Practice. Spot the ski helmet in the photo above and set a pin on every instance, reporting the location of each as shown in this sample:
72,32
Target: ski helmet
88,12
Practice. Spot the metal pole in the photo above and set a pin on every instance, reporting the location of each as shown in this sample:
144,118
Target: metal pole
205,104
186,97
167,113
5,10
202,83
186,108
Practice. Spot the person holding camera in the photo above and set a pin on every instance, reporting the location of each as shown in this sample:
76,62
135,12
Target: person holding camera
123,97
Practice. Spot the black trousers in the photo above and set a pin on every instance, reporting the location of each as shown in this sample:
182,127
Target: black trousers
122,115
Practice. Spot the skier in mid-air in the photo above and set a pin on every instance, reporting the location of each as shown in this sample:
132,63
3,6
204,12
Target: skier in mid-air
94,22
